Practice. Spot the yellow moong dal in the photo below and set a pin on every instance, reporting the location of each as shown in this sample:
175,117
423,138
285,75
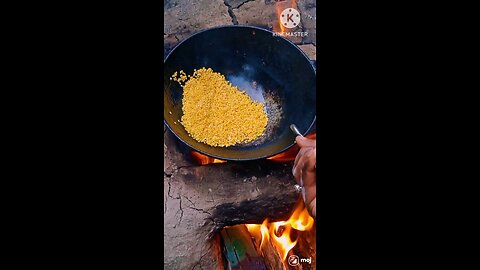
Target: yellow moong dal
217,113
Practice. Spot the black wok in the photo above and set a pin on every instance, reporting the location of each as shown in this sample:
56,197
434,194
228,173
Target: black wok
269,68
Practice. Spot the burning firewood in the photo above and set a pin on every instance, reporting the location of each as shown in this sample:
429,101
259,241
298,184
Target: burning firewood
200,201
273,207
266,248
281,245
239,249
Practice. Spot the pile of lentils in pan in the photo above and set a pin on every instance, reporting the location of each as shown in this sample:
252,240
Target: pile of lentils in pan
217,113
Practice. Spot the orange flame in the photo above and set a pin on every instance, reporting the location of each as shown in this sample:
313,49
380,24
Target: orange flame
260,231
283,243
286,156
204,160
280,6
300,220
291,153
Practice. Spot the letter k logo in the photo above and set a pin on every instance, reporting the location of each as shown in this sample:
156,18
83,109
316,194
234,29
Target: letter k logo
290,18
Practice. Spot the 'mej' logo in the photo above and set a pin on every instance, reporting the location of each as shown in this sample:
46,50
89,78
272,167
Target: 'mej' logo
304,260
294,260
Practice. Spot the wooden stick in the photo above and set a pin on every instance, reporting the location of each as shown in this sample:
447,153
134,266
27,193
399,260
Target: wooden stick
269,253
239,249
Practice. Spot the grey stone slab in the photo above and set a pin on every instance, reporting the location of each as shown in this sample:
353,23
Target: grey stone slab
183,17
266,15
308,9
236,3
310,50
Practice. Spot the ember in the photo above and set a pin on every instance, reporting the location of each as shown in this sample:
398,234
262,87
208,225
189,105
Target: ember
205,160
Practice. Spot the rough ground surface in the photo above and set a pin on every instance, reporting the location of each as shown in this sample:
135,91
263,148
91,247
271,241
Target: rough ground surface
186,17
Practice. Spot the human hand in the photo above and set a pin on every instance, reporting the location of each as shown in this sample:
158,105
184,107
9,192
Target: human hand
305,171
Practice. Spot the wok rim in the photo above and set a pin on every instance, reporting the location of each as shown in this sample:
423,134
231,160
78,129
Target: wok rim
242,159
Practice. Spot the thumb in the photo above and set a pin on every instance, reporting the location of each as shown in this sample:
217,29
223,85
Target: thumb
305,142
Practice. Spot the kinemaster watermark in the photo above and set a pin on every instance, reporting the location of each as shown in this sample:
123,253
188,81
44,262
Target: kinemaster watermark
290,18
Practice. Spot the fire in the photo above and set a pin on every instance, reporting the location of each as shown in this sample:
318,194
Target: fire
260,231
283,243
286,156
279,233
204,160
281,5
291,153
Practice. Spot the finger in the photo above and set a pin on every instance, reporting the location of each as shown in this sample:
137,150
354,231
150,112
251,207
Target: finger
305,163
298,174
299,138
311,159
309,179
305,142
309,176
297,171
294,172
299,154
298,165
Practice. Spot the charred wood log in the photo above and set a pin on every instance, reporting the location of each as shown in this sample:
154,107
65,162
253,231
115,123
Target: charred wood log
275,207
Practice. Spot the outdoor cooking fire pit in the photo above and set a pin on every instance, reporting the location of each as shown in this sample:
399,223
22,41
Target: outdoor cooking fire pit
216,209
239,211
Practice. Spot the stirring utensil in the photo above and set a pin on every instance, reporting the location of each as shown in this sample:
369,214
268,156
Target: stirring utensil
298,188
294,128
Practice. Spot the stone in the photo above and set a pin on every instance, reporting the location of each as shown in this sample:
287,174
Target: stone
256,13
310,50
308,13
183,18
235,3
266,15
